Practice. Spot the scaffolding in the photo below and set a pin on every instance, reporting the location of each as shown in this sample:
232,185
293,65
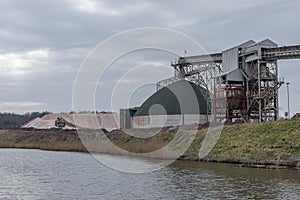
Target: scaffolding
242,81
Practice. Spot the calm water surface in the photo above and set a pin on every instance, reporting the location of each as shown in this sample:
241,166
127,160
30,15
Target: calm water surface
34,174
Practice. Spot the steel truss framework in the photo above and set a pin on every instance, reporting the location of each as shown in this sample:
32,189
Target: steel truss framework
254,99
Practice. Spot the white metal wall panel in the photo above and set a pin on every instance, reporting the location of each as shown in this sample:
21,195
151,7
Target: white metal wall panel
154,121
236,75
230,60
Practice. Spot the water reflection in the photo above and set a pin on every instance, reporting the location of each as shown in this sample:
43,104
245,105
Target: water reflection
226,181
33,174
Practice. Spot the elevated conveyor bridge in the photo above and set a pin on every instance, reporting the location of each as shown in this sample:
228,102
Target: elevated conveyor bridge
250,68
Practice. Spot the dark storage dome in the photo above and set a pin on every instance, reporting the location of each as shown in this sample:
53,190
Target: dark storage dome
181,97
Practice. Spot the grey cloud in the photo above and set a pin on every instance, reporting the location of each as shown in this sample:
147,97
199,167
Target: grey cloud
70,33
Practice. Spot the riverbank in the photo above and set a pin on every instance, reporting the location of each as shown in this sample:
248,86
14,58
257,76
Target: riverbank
268,145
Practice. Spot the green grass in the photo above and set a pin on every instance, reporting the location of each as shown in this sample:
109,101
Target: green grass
276,143
270,142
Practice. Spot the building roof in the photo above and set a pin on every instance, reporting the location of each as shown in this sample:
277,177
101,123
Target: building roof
181,97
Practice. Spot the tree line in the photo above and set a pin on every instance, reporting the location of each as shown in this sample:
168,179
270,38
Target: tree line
15,121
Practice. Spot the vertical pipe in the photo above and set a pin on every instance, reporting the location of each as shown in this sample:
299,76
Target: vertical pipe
288,99
259,92
227,103
247,94
215,104
207,97
211,95
276,94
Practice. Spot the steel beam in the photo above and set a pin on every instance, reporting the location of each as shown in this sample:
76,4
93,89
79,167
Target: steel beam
281,53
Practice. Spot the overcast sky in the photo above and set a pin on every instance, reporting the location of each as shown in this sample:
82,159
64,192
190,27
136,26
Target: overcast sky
44,42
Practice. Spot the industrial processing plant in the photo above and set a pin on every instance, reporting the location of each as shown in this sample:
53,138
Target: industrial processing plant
239,84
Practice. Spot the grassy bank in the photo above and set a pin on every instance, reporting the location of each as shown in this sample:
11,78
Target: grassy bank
55,140
270,144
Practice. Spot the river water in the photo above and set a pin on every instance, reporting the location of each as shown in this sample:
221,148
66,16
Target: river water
35,174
